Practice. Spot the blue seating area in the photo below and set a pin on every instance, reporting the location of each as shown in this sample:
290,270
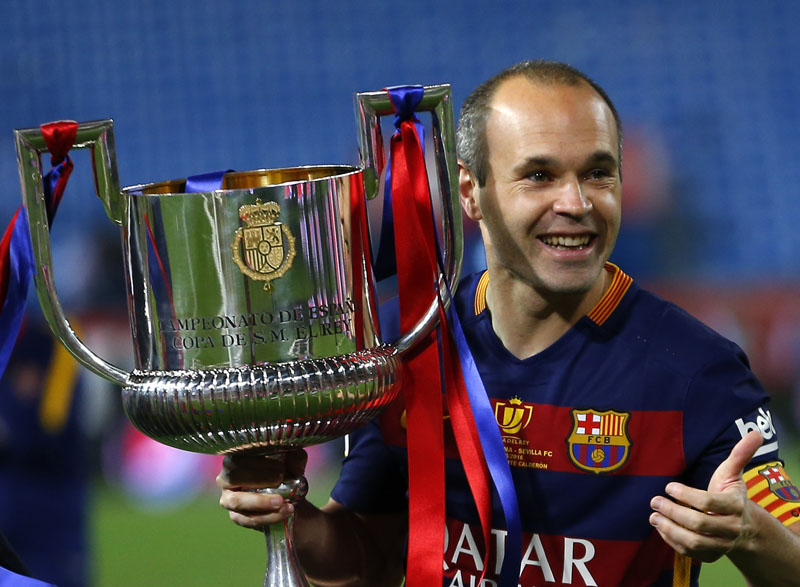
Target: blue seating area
199,86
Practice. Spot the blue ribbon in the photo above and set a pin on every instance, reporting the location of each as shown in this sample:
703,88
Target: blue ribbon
491,442
20,270
11,579
405,100
21,264
494,453
205,182
49,183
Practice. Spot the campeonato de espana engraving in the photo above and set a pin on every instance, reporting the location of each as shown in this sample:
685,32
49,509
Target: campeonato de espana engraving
268,249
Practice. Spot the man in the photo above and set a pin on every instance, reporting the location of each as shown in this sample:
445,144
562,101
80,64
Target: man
607,397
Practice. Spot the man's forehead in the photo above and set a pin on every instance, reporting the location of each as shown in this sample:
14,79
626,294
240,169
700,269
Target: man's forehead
526,108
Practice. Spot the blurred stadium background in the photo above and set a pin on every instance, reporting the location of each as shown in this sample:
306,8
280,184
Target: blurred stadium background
708,92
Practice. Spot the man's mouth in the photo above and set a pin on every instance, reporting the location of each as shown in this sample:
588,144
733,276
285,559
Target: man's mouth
566,243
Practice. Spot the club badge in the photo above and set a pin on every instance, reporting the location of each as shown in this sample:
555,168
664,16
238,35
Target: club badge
779,483
599,441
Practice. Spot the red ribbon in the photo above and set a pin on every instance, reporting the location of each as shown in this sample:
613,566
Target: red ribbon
361,258
418,280
424,405
59,138
16,256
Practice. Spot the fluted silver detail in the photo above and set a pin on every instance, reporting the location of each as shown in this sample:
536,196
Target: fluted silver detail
264,408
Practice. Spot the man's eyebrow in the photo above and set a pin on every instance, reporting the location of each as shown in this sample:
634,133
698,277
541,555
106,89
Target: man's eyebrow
543,161
602,157
536,162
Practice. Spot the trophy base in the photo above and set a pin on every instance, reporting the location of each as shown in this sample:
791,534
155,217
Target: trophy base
262,408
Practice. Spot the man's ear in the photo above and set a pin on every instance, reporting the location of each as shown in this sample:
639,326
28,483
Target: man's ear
468,187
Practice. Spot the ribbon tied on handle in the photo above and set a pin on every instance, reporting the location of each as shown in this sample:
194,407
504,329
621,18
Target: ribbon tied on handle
408,213
16,252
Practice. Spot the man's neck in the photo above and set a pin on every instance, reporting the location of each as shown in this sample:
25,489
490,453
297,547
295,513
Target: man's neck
527,321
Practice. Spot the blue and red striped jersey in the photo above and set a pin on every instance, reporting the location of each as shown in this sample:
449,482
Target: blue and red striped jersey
635,395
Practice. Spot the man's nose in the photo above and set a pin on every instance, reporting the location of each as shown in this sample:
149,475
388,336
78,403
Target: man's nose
570,200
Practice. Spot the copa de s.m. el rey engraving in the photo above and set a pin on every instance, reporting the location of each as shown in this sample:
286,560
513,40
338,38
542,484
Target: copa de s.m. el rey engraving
265,388
264,250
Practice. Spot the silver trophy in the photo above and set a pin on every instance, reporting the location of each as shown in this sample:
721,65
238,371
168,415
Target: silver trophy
253,324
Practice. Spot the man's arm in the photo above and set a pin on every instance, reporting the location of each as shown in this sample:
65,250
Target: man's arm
723,521
336,546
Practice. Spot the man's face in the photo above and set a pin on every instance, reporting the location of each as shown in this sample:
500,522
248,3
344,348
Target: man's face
550,208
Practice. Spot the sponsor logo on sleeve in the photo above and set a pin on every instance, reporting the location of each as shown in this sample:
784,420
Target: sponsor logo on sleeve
762,423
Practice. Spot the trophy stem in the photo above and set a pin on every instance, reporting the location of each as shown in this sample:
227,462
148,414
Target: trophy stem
283,568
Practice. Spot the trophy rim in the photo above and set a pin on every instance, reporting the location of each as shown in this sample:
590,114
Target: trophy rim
251,179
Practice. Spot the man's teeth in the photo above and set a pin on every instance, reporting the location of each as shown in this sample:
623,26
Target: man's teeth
566,242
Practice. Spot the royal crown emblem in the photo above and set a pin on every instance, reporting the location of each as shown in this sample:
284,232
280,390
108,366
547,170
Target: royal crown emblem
512,416
264,249
599,440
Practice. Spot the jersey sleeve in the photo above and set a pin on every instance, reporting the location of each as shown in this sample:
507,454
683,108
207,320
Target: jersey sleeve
726,403
373,478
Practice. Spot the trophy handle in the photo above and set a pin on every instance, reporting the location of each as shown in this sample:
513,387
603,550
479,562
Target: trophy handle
98,136
437,100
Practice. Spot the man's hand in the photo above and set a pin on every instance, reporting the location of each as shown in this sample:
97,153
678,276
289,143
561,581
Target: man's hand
243,474
708,524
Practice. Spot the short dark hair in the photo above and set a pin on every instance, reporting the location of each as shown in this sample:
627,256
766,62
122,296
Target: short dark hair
471,133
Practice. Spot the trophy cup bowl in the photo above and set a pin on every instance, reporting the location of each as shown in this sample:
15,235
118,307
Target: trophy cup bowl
253,319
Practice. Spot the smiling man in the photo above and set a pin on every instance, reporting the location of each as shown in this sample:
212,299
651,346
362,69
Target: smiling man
634,432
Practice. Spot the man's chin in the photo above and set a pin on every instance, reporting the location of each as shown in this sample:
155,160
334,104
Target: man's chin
566,283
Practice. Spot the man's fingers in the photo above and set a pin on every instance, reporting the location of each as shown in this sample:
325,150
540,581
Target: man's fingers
741,454
701,547
247,471
705,501
700,522
251,502
255,521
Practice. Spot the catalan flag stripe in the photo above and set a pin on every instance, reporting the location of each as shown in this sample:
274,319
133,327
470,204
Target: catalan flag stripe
611,425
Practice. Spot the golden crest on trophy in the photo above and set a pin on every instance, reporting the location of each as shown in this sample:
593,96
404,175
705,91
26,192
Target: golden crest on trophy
264,249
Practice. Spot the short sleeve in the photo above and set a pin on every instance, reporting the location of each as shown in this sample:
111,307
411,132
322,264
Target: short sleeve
374,476
725,402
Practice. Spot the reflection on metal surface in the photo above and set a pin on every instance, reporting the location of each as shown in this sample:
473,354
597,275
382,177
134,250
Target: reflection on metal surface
267,408
258,337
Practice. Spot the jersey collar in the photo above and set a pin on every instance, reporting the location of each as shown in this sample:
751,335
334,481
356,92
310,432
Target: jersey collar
620,283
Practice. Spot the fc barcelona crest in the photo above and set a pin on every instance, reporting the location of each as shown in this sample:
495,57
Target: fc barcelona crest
779,483
264,250
599,440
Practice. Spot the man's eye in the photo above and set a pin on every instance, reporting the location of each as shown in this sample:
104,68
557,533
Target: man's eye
598,174
539,176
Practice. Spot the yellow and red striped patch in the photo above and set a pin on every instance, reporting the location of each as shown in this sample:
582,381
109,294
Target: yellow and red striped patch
770,487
